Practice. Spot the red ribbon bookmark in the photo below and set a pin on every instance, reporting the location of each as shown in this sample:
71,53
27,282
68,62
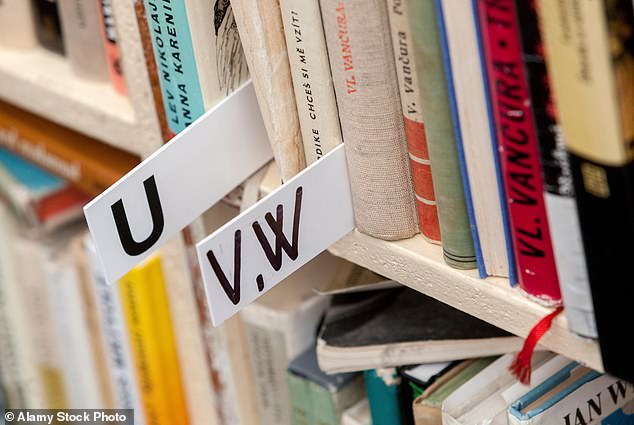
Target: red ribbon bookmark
521,366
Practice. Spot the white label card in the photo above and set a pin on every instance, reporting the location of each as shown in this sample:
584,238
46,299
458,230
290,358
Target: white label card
179,182
256,250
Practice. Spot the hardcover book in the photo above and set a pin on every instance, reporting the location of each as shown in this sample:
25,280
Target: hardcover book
590,57
519,151
414,121
455,230
364,74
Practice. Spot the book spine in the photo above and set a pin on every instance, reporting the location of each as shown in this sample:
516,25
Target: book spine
47,25
364,75
83,42
110,39
457,242
381,385
17,26
312,81
175,60
115,339
262,34
414,122
301,406
144,302
78,356
268,354
328,404
517,141
590,61
557,174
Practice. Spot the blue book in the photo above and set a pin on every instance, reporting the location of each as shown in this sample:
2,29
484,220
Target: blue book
576,395
36,180
382,388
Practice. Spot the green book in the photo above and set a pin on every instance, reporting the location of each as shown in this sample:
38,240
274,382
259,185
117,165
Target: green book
300,399
427,407
382,387
455,230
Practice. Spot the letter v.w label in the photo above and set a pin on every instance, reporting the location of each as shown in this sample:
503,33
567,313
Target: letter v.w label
179,182
278,235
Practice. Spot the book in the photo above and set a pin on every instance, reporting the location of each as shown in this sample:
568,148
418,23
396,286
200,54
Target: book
593,89
114,336
111,45
83,161
41,201
559,189
576,395
151,338
358,414
262,34
318,398
455,231
397,327
414,380
382,387
83,42
519,151
464,399
47,25
312,81
364,76
17,24
476,150
414,121
426,407
279,326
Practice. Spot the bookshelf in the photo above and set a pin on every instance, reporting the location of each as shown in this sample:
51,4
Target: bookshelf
419,265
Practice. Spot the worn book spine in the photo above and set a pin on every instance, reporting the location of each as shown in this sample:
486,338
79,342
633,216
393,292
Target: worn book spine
364,75
519,151
329,403
83,41
89,164
559,195
310,70
590,57
414,121
262,34
47,25
457,242
175,60
17,24
111,45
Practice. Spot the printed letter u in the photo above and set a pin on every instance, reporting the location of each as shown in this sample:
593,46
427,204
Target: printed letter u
130,246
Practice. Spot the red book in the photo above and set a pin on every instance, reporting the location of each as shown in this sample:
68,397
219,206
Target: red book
519,151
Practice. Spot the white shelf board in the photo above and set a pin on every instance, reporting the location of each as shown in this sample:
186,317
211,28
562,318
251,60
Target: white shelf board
43,83
419,264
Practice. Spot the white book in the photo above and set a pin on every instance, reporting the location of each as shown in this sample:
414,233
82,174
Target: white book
312,80
82,379
490,380
576,395
17,25
114,337
279,326
477,144
83,42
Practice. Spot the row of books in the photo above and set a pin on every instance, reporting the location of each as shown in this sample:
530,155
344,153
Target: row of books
83,31
474,123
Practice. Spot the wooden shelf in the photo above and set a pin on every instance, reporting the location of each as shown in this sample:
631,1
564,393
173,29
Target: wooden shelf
42,82
419,265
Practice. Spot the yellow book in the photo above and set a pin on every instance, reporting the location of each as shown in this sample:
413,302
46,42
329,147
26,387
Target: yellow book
147,317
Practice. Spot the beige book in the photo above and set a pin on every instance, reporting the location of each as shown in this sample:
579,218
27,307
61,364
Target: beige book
261,31
83,41
310,69
17,25
364,76
220,60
